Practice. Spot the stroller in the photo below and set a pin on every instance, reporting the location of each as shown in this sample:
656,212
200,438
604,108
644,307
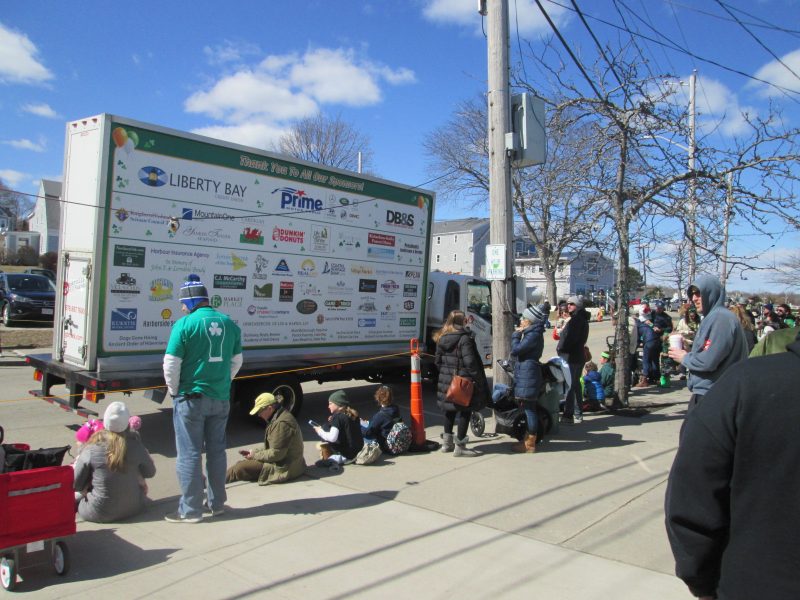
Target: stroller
510,417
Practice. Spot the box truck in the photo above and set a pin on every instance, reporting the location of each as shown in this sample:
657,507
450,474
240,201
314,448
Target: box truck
325,271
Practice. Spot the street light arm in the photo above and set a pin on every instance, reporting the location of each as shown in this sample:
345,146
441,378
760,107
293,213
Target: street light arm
666,139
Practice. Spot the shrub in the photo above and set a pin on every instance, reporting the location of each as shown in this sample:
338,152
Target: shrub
49,260
27,256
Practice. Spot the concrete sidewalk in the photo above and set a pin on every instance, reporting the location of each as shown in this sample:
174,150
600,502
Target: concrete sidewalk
582,518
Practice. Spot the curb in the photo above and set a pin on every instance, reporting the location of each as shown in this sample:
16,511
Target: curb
12,359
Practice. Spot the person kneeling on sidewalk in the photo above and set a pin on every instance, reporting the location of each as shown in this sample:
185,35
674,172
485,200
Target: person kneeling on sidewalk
281,459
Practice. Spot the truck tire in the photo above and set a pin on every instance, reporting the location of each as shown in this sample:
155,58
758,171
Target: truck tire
288,391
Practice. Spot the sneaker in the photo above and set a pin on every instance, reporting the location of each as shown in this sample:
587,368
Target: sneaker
577,419
325,463
177,517
218,512
566,420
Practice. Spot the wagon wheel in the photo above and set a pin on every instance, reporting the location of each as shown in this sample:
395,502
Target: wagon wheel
477,424
60,558
8,573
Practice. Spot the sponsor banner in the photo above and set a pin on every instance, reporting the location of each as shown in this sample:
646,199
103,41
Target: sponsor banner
286,292
380,239
129,256
408,322
390,287
409,290
367,286
380,253
124,319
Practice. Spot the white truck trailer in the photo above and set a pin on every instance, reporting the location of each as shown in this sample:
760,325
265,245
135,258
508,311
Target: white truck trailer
325,271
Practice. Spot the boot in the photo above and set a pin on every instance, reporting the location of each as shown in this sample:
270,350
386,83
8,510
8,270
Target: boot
528,445
462,450
643,383
447,442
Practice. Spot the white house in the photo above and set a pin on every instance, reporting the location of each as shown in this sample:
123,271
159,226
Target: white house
459,246
6,219
46,217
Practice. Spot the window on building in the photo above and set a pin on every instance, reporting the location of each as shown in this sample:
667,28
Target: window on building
438,239
438,258
455,257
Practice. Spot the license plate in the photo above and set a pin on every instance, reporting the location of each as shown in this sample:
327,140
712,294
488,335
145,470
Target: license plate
47,311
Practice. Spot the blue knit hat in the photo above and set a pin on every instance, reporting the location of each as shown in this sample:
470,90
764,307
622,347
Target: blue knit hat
193,292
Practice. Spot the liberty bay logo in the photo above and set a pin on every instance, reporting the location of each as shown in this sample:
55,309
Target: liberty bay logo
152,176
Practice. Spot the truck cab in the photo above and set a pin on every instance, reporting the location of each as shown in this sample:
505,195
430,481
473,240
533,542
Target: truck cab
473,295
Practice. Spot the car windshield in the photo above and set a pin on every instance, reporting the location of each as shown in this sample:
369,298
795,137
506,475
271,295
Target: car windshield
29,283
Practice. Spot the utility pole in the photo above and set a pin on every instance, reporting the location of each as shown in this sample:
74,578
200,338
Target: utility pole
500,210
728,210
692,224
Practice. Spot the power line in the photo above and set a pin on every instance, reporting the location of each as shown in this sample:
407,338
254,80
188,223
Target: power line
763,23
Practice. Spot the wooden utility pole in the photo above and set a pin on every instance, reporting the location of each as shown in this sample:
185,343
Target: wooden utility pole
500,209
692,224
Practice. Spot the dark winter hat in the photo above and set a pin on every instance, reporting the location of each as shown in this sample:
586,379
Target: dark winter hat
193,292
339,398
536,313
659,304
768,306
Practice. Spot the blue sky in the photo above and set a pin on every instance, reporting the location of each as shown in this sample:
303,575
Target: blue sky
396,69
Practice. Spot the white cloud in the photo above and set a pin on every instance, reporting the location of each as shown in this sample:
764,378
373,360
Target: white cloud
258,135
229,52
11,177
18,61
41,110
523,14
26,144
265,97
780,75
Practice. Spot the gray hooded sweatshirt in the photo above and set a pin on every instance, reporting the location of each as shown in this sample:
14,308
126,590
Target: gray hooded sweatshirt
719,342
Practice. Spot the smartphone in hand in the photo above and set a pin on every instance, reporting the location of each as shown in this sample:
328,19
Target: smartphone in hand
313,423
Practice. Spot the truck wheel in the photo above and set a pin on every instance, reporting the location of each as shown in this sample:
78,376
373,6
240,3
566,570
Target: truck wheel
289,394
8,573
477,424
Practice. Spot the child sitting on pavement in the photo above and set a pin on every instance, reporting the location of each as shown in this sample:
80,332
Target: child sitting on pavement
592,388
381,423
607,374
341,435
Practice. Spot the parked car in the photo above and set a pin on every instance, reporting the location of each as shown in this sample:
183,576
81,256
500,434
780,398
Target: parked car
26,297
46,272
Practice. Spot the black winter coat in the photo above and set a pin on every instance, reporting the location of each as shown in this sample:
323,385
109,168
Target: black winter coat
574,336
447,361
526,348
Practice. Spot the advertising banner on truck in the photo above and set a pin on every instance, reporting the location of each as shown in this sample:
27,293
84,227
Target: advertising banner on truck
296,254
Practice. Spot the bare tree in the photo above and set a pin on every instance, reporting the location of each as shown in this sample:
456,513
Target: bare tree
16,205
789,275
330,141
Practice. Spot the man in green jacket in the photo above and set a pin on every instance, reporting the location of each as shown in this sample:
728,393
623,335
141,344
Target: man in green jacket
281,459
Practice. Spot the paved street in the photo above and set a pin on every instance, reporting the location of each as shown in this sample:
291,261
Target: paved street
582,518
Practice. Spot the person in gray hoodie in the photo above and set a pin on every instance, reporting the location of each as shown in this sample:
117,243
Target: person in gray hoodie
719,342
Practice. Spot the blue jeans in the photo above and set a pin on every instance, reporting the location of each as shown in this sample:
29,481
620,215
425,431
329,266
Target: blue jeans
573,407
530,416
200,422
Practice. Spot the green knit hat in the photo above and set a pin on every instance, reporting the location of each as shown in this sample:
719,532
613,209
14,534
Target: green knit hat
339,398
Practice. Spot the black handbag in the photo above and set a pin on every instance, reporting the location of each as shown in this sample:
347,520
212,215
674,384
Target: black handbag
17,459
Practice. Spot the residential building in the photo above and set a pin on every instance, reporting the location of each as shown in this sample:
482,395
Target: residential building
459,246
6,219
46,216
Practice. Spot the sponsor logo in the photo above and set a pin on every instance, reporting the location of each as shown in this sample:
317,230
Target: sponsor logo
286,292
412,274
389,286
320,319
297,200
306,307
261,267
121,214
307,268
340,287
217,301
152,176
321,238
408,322
348,242
408,248
308,289
251,235
399,219
209,236
282,268
361,270
291,236
380,239
408,305
367,307
124,319
368,286
410,290
333,268
262,291
230,282
125,286
187,214
129,256
160,289
338,304
367,322
382,253
166,313
237,263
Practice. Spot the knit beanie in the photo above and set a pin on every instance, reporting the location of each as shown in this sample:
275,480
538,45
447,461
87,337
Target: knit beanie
193,292
339,398
116,417
536,313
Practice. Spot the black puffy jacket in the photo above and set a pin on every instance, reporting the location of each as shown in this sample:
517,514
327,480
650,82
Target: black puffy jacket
448,348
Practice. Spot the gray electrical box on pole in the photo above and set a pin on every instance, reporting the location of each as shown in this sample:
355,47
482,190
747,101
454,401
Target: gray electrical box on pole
528,141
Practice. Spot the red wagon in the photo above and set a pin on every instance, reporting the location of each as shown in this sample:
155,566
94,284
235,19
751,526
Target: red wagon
37,509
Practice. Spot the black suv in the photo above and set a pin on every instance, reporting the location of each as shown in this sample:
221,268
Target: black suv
26,297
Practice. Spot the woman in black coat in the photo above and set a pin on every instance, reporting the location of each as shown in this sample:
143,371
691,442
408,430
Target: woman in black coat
527,344
457,354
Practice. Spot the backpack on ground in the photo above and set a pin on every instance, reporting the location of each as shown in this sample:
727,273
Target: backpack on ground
398,440
369,453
